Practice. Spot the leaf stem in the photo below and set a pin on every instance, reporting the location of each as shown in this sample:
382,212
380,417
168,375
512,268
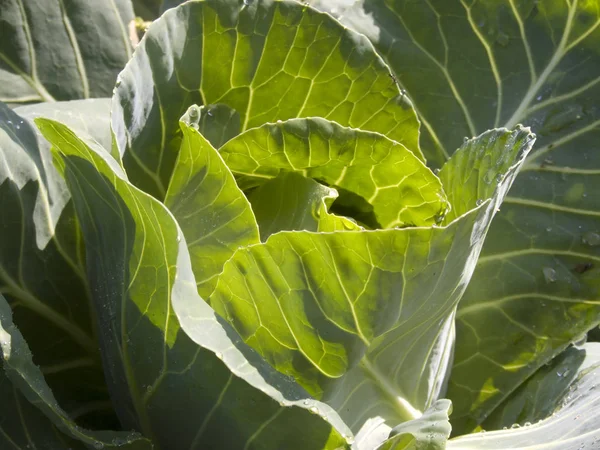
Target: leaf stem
402,406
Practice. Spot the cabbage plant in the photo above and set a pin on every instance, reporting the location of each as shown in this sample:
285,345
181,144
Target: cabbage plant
246,247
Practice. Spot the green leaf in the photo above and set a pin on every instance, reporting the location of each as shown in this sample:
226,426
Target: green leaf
213,213
267,61
334,310
42,270
474,171
430,431
151,9
397,187
176,371
30,428
218,124
574,422
56,50
91,116
27,377
543,394
293,202
477,65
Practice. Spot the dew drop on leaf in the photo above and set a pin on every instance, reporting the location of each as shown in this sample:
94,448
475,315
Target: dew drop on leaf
591,238
549,274
314,410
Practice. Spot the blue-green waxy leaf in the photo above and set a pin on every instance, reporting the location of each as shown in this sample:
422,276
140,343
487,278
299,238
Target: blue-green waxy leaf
395,185
267,61
177,372
472,65
42,270
561,419
545,392
26,396
62,50
364,319
213,213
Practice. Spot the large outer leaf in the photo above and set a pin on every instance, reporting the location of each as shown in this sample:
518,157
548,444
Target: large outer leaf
61,49
30,428
91,116
574,424
396,185
41,258
470,65
177,371
213,213
27,377
267,60
545,392
363,320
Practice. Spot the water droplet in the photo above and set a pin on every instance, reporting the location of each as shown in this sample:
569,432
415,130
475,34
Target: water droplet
465,140
549,274
99,445
515,425
549,229
118,83
349,439
436,171
279,122
247,2
527,424
314,410
219,355
591,238
149,388
499,178
479,202
539,98
306,402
